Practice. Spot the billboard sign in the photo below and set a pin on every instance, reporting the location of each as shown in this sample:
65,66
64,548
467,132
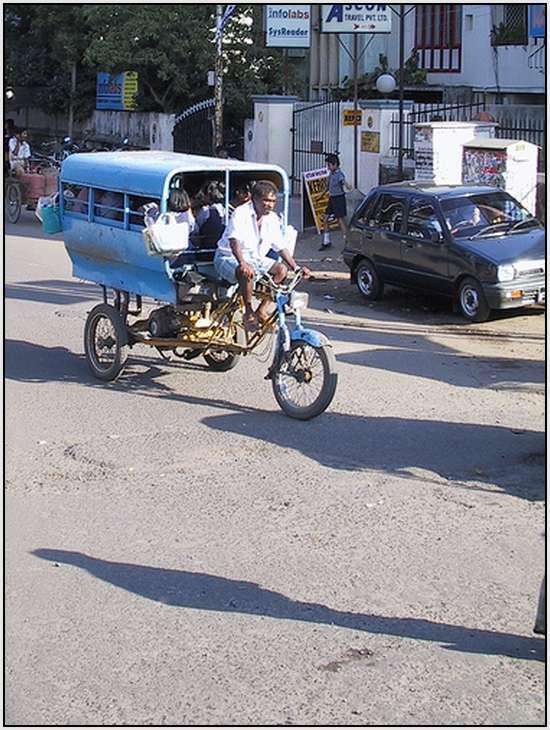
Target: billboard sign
288,26
355,18
537,21
116,91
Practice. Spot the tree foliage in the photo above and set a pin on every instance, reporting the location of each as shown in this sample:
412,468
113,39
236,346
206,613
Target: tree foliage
366,87
42,42
170,46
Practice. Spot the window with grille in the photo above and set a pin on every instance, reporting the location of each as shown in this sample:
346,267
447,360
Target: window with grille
438,37
510,25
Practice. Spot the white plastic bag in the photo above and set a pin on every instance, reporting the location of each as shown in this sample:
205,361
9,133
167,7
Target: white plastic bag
43,202
167,236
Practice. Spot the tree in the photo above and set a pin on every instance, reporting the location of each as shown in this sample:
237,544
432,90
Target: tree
42,45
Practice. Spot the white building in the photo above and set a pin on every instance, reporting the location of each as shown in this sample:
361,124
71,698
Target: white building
464,48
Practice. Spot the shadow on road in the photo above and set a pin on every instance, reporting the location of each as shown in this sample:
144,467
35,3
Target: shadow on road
458,452
206,592
419,356
53,291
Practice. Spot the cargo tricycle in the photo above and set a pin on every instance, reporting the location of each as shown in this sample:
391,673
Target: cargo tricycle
38,180
179,305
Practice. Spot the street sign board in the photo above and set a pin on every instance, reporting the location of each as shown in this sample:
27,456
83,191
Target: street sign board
288,26
116,91
315,192
352,118
537,21
341,18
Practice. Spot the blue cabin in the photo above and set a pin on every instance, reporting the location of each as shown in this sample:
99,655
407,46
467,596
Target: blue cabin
102,194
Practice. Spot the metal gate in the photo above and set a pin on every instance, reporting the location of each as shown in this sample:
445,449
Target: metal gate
315,133
194,129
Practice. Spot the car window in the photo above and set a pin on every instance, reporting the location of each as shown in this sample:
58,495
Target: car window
469,215
364,212
422,219
389,213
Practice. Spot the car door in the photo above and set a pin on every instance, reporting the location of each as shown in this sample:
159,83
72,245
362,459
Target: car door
384,234
424,249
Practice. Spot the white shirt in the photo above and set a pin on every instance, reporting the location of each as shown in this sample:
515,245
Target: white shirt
24,150
255,240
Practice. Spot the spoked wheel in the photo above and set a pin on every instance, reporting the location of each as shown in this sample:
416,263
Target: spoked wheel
223,360
305,381
105,342
12,202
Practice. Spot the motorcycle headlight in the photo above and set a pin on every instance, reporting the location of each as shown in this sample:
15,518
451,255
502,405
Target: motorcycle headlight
299,299
506,272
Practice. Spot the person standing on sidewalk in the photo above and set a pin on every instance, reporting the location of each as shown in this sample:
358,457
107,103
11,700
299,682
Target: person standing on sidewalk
336,207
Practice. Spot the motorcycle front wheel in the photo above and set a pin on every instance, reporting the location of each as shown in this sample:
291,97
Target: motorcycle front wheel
305,380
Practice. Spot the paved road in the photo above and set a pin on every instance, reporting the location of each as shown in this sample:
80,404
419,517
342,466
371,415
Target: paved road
179,552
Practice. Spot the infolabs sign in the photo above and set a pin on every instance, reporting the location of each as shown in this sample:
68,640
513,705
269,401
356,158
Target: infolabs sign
287,26
355,18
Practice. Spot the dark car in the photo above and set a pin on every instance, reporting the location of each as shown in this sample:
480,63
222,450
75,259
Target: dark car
473,243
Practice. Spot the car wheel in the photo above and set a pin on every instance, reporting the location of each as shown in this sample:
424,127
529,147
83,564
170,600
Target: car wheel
472,302
369,283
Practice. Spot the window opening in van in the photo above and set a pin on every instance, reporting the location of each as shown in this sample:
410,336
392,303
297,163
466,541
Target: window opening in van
136,205
75,199
109,205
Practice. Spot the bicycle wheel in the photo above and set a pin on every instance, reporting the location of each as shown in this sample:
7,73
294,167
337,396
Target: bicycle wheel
305,380
105,342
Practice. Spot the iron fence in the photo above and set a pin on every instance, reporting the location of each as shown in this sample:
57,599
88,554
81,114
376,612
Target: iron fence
315,132
529,130
429,112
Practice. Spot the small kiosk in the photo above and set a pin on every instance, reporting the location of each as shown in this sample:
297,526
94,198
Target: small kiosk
438,148
509,164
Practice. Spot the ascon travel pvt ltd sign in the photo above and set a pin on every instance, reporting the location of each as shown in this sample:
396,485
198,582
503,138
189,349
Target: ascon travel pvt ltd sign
287,26
355,18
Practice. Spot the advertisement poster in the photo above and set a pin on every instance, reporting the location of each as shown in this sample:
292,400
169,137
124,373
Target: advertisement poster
116,91
423,154
342,18
315,192
484,167
287,26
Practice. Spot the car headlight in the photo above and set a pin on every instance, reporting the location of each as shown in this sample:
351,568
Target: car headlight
299,299
506,272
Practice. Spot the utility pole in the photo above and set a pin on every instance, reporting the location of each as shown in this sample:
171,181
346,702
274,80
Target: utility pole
218,84
71,101
355,95
401,86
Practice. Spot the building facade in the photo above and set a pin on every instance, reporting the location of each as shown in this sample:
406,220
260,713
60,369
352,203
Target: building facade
465,49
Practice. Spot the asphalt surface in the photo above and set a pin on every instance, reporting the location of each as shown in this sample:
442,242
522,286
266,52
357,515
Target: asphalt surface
178,552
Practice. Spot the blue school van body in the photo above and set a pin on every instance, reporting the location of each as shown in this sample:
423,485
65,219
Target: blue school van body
112,252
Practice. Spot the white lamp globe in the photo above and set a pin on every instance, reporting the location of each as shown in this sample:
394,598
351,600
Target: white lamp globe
385,84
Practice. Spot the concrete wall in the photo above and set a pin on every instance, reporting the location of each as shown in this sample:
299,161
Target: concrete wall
272,135
143,129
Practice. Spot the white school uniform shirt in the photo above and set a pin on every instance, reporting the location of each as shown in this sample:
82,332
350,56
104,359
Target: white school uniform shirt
255,240
23,153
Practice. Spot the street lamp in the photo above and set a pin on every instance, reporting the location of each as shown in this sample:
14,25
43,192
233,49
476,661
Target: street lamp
9,93
386,83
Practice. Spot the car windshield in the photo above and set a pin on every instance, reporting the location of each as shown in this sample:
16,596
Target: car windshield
485,214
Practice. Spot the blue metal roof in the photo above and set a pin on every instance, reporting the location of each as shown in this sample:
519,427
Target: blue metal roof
145,172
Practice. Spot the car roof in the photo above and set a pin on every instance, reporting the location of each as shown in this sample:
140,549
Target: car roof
427,187
145,172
